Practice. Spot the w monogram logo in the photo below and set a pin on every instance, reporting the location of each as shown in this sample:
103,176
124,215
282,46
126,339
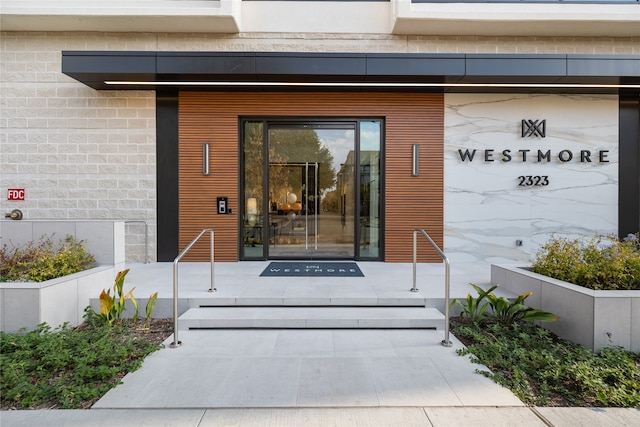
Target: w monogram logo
534,128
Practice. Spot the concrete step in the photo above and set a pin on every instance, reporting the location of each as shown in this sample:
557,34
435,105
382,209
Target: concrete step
408,300
164,305
311,317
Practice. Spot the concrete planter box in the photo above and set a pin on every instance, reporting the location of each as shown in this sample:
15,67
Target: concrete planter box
586,316
103,239
55,301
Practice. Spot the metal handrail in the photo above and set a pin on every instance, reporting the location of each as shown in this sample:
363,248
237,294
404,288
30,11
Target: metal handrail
146,237
447,279
176,343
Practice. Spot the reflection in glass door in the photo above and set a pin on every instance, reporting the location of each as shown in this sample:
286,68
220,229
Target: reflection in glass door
310,195
293,205
322,195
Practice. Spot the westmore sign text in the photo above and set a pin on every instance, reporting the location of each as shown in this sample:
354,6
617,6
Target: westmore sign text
539,156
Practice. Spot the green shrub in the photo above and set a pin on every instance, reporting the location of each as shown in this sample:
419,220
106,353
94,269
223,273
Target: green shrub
603,262
66,368
544,370
44,260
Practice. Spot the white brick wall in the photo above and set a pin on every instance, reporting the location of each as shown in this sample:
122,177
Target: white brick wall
84,154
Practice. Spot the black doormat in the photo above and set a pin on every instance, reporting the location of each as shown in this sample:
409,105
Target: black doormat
313,269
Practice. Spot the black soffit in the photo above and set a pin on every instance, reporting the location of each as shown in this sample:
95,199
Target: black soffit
349,71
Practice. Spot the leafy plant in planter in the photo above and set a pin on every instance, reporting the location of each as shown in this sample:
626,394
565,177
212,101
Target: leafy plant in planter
508,312
475,308
602,263
149,308
113,306
502,310
44,260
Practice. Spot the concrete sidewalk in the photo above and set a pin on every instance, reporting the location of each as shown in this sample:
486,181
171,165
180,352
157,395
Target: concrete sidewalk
323,417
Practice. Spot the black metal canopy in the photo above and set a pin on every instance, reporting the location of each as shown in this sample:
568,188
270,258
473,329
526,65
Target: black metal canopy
141,70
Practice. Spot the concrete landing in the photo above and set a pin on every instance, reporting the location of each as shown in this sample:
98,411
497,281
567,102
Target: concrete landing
240,284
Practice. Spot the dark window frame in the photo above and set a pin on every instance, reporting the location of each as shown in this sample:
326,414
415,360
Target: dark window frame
314,121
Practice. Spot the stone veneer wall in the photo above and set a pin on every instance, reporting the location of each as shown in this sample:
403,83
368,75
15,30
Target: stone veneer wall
80,154
487,211
83,154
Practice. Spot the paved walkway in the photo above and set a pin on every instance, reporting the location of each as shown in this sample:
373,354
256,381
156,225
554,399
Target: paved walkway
323,417
307,368
311,377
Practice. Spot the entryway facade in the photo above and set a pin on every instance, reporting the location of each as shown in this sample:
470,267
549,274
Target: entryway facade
310,175
490,154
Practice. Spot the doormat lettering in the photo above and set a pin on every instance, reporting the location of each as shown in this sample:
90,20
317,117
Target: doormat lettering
313,269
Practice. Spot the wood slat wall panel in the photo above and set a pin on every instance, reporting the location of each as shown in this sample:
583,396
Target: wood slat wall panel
410,202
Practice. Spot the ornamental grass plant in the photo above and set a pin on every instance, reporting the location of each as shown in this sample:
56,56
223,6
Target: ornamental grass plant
604,262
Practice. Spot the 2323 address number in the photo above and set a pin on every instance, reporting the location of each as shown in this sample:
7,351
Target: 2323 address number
533,181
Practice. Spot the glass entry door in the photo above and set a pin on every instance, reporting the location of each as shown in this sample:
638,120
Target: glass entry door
311,191
308,192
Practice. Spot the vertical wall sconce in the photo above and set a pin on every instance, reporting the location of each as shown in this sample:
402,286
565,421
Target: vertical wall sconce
205,159
415,160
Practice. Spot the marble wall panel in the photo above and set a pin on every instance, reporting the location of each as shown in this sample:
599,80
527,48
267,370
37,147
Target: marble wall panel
486,210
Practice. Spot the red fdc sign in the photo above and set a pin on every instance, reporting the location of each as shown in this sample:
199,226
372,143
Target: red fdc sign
15,194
